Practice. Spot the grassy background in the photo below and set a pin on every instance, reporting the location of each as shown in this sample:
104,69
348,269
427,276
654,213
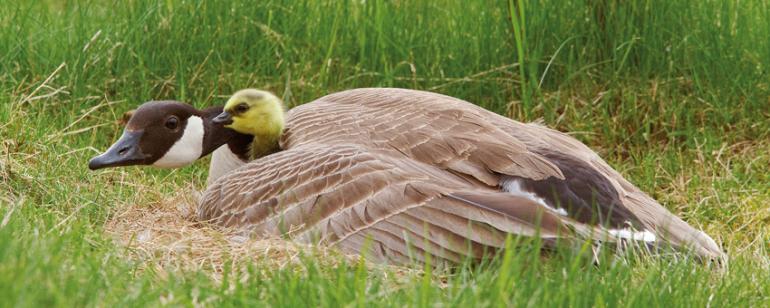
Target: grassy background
674,94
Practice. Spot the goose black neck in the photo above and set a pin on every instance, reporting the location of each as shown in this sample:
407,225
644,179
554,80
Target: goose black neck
217,135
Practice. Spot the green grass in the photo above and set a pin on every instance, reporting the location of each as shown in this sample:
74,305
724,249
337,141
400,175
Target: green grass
674,94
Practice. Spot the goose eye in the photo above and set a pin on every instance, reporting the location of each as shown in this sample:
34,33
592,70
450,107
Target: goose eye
241,108
172,122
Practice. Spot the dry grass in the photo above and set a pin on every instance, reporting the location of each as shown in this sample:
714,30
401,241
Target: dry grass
165,236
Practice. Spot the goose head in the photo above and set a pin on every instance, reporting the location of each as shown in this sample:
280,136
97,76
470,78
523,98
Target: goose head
167,134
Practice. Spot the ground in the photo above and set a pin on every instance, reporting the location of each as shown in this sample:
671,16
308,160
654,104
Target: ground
674,95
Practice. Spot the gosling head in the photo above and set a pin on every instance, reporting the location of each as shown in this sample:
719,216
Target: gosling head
253,112
165,134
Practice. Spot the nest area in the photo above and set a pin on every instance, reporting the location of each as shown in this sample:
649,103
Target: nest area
166,236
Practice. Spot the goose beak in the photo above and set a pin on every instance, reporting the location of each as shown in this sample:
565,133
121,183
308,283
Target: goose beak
223,118
125,152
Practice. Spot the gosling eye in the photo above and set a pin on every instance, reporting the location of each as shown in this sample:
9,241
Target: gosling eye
241,108
172,122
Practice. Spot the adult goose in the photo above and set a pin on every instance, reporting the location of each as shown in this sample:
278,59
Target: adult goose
410,168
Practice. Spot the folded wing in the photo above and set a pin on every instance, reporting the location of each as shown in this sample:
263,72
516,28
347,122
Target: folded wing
393,208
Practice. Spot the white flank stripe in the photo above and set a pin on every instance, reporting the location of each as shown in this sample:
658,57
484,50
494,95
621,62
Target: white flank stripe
187,149
513,186
629,234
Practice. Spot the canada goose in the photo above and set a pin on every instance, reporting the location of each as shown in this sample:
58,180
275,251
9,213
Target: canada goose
387,163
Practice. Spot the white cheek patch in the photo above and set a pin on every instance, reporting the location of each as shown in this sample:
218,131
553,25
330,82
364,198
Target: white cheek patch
187,149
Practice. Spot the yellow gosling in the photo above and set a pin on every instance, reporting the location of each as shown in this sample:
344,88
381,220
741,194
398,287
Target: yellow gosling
260,114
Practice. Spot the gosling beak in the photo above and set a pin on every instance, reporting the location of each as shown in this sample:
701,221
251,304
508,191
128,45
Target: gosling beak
223,118
125,152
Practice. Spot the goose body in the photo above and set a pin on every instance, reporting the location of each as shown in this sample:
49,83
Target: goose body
407,168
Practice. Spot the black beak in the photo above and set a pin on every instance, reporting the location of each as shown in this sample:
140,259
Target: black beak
125,152
223,118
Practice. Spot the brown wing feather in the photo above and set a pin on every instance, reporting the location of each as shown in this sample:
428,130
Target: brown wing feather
350,194
431,128
651,214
